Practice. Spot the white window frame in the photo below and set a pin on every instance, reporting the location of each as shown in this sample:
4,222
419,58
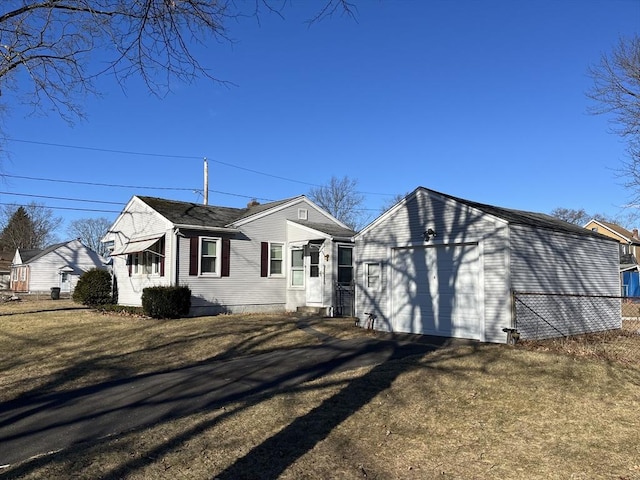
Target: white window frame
303,214
281,259
218,257
368,276
296,268
146,262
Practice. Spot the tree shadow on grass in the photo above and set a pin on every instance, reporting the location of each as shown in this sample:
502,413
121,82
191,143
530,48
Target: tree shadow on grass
107,409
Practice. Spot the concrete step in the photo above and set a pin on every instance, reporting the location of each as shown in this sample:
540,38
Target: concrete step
306,310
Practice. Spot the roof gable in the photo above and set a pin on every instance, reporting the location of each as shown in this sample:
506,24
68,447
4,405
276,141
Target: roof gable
623,233
28,255
522,217
511,216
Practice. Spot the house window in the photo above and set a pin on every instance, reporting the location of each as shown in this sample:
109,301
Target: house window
372,275
303,214
275,259
210,256
345,265
147,262
109,245
314,261
297,267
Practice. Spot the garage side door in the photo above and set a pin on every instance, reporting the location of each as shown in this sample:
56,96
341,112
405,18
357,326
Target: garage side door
436,290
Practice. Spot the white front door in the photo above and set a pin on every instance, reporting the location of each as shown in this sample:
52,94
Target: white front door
314,270
65,282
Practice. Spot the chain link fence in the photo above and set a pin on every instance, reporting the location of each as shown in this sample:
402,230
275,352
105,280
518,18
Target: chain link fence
602,326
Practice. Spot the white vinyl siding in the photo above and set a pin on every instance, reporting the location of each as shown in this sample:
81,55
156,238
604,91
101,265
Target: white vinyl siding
46,271
550,262
269,293
140,221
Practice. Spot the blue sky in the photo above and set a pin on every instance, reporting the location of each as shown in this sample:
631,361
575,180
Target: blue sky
483,100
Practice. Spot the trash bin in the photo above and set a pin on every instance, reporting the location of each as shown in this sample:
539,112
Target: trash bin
55,293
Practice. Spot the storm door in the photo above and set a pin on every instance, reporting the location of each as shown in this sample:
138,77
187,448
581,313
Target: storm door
315,273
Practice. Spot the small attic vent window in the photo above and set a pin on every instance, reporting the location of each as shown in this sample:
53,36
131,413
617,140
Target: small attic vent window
594,229
303,214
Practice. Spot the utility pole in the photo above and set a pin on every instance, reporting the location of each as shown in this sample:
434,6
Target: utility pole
206,181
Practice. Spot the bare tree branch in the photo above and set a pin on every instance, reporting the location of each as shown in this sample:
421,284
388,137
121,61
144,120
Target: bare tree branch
56,44
341,199
90,231
616,91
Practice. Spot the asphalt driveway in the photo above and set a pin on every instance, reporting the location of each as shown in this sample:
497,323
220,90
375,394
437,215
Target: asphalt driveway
41,424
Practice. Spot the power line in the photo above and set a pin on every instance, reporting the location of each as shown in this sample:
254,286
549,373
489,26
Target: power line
96,184
66,208
128,152
191,157
62,198
107,150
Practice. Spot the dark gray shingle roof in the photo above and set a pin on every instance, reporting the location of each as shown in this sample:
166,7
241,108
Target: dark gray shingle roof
30,254
196,214
522,217
199,215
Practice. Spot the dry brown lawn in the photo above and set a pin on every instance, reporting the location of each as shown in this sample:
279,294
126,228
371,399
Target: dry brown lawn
543,411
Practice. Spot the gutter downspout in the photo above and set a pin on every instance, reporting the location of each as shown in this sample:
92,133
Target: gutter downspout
175,251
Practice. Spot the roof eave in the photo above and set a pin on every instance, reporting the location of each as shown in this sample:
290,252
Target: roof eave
207,229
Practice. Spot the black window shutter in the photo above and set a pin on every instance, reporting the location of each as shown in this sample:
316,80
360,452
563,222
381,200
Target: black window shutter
264,259
193,256
129,262
226,257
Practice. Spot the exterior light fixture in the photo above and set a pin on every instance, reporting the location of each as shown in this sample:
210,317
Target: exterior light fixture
429,234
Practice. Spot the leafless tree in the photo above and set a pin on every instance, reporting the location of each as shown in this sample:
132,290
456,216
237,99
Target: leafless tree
391,202
90,231
340,197
577,217
55,49
616,91
581,217
28,226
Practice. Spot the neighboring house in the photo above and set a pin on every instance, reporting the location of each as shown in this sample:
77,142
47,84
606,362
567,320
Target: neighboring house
273,257
629,251
59,266
440,265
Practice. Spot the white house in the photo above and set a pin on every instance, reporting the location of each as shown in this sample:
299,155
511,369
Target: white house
57,266
273,257
440,265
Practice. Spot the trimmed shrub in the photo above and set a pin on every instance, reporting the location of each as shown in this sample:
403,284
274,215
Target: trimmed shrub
166,302
93,288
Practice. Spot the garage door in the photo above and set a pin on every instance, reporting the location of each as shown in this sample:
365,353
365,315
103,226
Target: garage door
436,290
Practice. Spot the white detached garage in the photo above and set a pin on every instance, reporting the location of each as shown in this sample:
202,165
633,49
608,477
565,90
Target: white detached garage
439,265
